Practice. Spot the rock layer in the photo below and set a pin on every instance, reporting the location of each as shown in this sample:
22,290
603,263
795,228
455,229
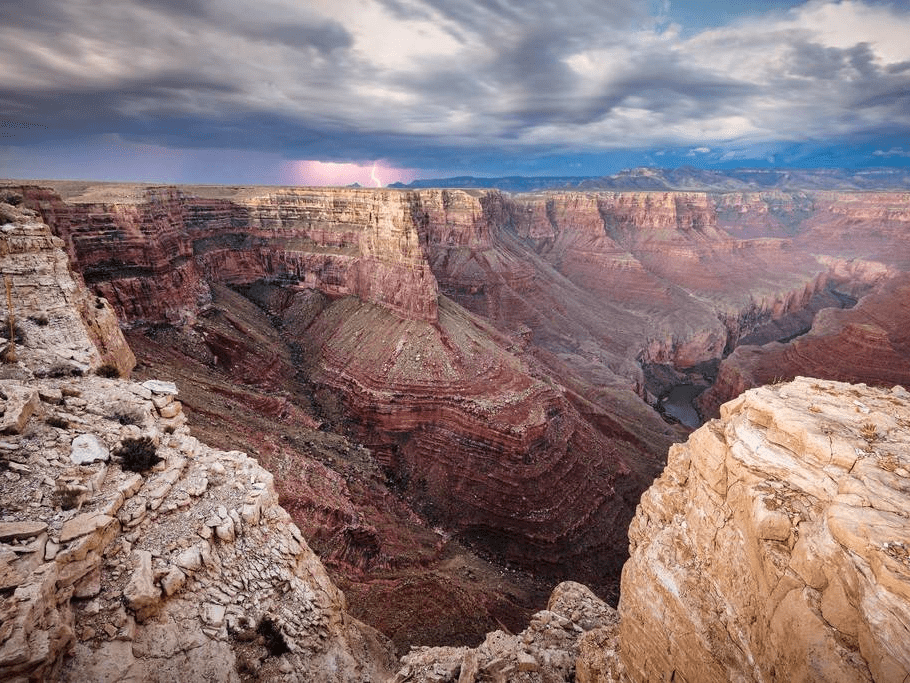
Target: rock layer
187,569
775,544
868,343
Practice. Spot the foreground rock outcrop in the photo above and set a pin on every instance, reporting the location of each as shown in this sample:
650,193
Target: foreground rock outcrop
776,545
547,650
184,569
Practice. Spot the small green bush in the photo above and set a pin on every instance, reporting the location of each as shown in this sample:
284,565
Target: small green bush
138,455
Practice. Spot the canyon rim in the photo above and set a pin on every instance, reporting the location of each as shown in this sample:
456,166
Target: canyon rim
458,398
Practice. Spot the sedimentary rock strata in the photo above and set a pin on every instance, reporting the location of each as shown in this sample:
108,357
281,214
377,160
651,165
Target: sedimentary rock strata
775,544
869,343
185,568
476,441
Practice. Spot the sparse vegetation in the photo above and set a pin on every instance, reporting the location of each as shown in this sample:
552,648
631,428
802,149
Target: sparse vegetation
71,495
138,455
108,370
869,432
126,416
60,370
57,421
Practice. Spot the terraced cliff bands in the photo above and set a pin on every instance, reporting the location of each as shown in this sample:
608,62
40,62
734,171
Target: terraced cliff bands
499,355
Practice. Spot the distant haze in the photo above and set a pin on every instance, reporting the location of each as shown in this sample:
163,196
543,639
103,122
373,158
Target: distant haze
383,91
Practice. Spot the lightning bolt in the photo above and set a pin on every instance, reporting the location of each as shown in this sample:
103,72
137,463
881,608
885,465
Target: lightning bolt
373,176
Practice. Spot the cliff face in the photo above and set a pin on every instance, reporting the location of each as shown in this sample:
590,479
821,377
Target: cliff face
475,441
867,343
775,544
61,329
162,248
188,570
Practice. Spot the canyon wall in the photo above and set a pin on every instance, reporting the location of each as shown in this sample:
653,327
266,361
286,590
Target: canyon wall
153,255
868,343
775,544
116,569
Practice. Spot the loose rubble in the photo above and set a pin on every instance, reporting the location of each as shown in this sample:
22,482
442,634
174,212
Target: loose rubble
546,651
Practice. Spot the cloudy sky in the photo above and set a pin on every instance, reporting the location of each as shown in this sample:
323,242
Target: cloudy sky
335,91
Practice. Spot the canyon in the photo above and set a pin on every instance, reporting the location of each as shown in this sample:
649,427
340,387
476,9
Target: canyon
456,389
200,565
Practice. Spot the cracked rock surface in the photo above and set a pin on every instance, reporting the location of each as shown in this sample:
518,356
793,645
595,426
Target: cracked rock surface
775,545
186,570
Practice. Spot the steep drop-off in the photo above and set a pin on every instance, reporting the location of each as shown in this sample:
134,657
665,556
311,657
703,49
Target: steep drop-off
775,544
113,567
497,354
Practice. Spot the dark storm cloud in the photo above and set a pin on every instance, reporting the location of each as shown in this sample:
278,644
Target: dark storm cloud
491,77
325,37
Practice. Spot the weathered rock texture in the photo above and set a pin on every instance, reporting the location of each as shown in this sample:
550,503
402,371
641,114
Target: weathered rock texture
189,570
545,652
869,343
59,328
776,545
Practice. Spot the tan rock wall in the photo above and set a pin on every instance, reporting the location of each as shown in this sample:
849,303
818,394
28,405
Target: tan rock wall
775,544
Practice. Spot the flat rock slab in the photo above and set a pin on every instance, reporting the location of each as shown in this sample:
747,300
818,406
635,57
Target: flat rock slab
157,386
88,448
11,531
83,524
21,402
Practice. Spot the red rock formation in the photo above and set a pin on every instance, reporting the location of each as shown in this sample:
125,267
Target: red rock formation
869,343
152,258
476,442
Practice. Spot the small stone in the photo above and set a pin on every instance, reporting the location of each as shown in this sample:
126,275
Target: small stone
11,531
83,524
160,387
173,581
88,448
110,630
526,662
50,395
170,410
190,559
213,614
159,401
141,593
226,531
21,402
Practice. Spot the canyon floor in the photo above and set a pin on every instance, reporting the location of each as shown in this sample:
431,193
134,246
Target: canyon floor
463,394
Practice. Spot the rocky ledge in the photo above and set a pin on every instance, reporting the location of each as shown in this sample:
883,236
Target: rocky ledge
776,545
188,570
128,549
